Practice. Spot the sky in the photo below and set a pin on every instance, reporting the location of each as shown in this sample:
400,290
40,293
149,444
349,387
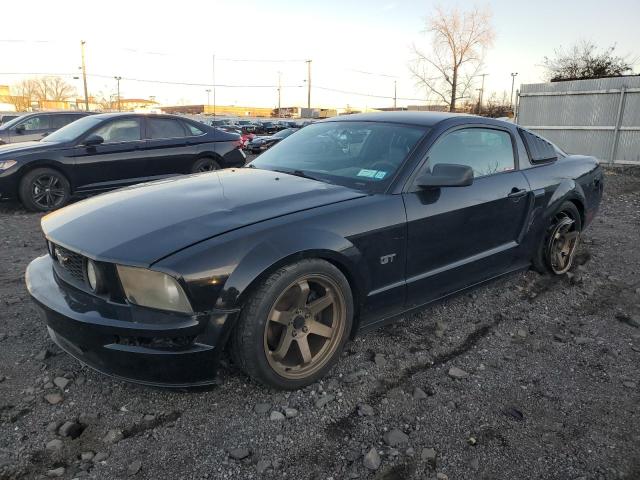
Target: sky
174,42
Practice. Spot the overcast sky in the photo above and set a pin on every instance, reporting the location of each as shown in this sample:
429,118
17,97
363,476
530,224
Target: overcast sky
175,41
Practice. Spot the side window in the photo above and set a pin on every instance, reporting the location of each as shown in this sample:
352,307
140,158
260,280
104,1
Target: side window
165,128
39,122
59,121
126,130
193,130
539,149
486,151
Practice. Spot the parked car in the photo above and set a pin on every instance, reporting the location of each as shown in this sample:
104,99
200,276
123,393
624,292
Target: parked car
260,144
313,242
267,128
5,117
244,136
107,151
35,126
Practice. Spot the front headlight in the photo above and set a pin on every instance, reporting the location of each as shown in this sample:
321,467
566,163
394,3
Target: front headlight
149,288
7,164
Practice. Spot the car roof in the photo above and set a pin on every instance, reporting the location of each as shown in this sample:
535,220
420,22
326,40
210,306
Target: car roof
427,119
134,114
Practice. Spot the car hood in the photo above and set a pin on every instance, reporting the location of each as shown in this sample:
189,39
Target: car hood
25,147
140,225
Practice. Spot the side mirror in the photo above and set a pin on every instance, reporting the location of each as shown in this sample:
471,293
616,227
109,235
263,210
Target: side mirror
20,129
93,140
447,175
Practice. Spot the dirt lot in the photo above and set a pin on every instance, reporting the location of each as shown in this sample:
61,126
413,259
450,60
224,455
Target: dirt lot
551,390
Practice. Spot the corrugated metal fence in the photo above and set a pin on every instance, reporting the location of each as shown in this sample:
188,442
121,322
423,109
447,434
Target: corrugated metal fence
599,117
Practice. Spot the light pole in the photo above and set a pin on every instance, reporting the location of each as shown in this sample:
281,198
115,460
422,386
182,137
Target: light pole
395,93
308,83
118,97
513,81
279,93
213,74
84,77
481,93
208,90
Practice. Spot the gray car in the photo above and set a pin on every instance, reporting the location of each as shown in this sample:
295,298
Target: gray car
35,126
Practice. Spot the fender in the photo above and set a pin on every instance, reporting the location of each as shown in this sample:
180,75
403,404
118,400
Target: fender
568,189
289,245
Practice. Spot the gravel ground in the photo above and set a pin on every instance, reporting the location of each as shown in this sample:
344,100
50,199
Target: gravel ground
529,377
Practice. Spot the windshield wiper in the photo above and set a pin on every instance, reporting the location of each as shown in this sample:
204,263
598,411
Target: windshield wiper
298,173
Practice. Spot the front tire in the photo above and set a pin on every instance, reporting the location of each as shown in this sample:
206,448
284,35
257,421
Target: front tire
44,189
559,244
294,326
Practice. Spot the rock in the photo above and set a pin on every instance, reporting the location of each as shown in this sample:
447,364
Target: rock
583,340
87,456
395,438
442,476
631,320
88,418
43,355
558,337
148,418
54,445
290,412
514,413
134,468
262,408
53,398
521,333
113,436
455,372
323,400
630,384
276,416
410,451
239,453
428,455
262,466
419,394
372,459
365,410
61,382
379,360
53,426
80,380
56,472
472,441
100,457
70,429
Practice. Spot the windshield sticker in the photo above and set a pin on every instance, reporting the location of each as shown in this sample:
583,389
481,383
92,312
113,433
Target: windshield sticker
380,174
367,173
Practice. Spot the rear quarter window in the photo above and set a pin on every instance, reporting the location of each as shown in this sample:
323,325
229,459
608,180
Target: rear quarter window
538,149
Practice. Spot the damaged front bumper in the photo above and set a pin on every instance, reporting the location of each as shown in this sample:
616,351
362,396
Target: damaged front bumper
137,344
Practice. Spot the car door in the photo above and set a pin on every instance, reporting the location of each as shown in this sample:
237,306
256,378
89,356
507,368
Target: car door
459,236
31,129
168,146
118,160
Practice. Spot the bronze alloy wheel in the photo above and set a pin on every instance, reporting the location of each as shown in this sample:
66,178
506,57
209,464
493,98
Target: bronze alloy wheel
562,243
305,326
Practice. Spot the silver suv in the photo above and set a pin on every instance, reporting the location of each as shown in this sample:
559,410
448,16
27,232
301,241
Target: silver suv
35,126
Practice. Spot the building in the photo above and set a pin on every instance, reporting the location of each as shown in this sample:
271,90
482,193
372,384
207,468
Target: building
220,110
134,104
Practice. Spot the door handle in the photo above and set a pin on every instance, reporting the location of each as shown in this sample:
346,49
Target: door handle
517,192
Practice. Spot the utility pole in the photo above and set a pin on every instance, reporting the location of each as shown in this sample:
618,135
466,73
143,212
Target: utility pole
308,83
208,90
279,93
481,93
84,77
395,91
513,81
213,72
118,80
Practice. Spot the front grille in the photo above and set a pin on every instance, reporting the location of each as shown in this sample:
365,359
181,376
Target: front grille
70,264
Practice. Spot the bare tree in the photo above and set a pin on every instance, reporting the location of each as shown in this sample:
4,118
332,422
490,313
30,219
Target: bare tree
53,88
459,41
23,94
583,60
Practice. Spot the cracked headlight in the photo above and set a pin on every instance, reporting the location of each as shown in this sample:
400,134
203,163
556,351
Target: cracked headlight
149,288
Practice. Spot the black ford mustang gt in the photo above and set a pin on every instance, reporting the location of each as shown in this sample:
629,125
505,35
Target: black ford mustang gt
336,230
108,151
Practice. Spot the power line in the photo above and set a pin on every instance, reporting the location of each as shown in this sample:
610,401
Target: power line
347,92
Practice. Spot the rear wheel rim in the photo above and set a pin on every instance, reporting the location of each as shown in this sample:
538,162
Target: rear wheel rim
305,326
207,166
47,191
563,241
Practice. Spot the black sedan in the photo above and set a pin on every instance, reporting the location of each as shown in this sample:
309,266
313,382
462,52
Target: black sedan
260,144
107,151
322,237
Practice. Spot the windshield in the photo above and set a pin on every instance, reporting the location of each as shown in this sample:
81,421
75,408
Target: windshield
11,123
73,130
357,154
